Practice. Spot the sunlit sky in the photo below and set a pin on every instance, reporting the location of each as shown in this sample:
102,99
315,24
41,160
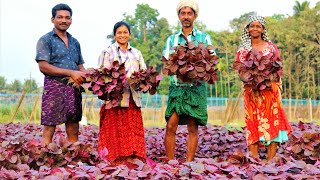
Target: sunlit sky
24,22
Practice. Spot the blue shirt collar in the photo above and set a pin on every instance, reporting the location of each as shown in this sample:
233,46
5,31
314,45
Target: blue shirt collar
54,33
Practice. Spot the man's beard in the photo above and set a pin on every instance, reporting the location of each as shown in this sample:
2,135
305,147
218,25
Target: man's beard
186,23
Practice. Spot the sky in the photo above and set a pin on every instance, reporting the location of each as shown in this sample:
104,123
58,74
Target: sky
22,23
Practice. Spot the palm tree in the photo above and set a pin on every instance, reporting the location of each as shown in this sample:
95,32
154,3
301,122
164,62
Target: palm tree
300,7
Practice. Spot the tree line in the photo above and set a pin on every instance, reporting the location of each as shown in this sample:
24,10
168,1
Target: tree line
28,85
297,37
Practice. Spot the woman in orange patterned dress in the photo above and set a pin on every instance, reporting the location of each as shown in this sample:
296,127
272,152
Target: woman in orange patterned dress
121,127
266,121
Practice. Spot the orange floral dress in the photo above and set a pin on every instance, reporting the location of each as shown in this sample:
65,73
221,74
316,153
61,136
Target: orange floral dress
265,117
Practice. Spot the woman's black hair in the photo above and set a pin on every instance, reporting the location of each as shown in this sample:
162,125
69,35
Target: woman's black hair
118,24
59,7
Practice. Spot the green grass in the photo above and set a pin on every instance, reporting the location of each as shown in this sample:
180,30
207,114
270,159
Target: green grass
23,113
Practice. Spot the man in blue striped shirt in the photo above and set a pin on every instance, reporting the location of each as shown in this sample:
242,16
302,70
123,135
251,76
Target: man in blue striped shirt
187,103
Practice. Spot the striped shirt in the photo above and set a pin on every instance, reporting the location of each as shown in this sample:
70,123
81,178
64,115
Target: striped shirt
177,39
133,62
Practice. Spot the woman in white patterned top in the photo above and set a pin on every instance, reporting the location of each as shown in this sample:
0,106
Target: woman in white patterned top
121,127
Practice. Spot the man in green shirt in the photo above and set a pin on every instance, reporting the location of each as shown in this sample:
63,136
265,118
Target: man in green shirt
187,103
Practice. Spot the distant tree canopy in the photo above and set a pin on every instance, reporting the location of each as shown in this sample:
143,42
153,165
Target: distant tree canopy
299,7
29,85
16,86
2,82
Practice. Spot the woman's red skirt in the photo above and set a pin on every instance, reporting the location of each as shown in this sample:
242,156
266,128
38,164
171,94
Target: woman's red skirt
122,132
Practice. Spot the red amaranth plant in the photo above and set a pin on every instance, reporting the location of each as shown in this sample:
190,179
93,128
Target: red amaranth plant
258,71
146,80
191,63
222,154
108,83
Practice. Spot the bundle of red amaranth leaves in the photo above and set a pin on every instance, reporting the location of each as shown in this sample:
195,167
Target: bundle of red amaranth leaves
192,63
109,83
145,80
257,71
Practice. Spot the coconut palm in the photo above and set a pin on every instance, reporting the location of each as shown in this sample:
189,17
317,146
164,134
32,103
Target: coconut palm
297,8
